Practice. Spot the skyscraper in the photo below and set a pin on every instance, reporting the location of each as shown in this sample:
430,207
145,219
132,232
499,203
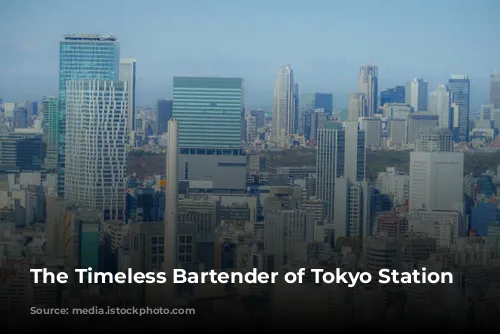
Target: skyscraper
368,84
51,131
284,108
459,86
357,106
416,94
210,116
96,138
164,110
209,111
82,57
171,199
495,90
436,181
341,153
324,101
392,95
127,73
440,103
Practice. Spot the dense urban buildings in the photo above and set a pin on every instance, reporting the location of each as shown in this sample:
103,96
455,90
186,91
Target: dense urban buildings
205,182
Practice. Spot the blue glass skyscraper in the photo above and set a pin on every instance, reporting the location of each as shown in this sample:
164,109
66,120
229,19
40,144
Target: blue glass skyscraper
83,57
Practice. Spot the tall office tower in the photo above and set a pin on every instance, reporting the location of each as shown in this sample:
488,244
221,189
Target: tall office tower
20,119
82,57
396,110
20,151
368,84
95,150
459,86
251,129
341,153
440,103
495,90
32,107
294,124
284,109
324,101
355,152
357,106
434,140
393,95
436,181
416,94
164,110
170,248
352,208
210,114
397,132
127,73
51,131
486,111
260,116
455,113
318,120
373,131
418,122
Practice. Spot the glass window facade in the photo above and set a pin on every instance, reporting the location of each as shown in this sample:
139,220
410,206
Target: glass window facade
209,112
459,87
83,57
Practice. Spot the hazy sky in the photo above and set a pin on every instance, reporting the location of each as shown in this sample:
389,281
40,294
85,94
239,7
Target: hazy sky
324,41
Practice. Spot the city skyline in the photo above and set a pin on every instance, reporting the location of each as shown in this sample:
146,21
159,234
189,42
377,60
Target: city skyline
327,68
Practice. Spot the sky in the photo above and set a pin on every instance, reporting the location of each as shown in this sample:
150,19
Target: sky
325,41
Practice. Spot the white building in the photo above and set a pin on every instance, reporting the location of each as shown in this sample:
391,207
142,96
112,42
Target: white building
436,181
373,131
284,107
395,184
96,136
127,73
440,103
357,106
416,94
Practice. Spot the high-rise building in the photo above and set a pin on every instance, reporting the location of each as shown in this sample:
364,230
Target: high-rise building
418,122
434,140
82,57
21,152
357,106
20,118
373,131
368,84
171,202
164,111
459,86
210,115
51,131
416,94
96,138
436,181
352,208
495,90
127,73
324,101
397,132
341,153
32,107
440,103
209,111
396,110
485,112
285,112
392,95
